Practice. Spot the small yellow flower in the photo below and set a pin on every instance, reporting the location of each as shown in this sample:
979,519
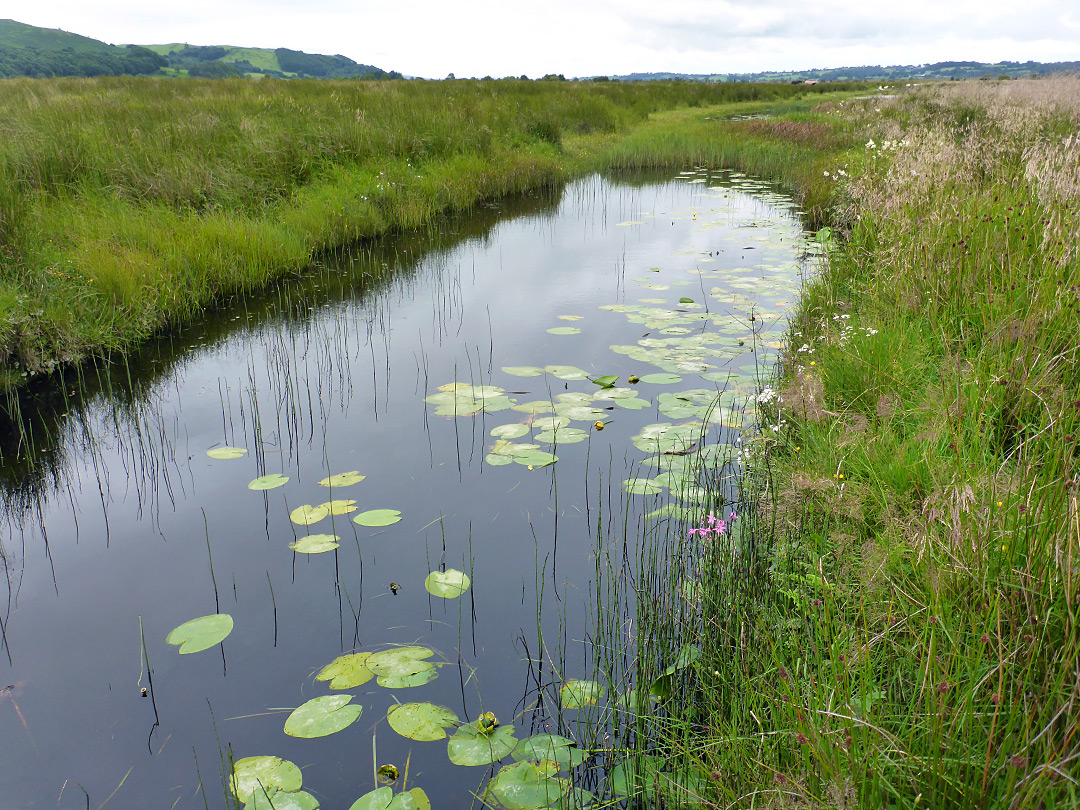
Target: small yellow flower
841,476
598,425
999,503
797,449
813,362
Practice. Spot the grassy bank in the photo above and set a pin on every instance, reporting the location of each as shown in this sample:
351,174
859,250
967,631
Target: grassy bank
127,205
905,634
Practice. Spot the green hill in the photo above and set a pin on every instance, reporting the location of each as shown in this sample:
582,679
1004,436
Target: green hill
26,50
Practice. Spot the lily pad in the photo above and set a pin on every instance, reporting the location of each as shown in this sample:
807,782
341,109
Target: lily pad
402,667
263,774
523,371
201,634
514,430
550,422
448,584
378,517
344,479
662,379
686,300
564,330
524,786
567,435
497,460
471,747
633,403
342,507
300,800
537,406
578,694
226,452
550,747
322,716
642,486
535,458
347,671
421,721
272,481
383,798
316,543
306,515
607,381
567,372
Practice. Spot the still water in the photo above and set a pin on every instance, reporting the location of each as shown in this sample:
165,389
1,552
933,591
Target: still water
449,369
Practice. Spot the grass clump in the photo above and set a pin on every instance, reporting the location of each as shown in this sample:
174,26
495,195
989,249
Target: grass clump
907,635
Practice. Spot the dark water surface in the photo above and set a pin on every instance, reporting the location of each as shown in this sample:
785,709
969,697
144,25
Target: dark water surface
118,526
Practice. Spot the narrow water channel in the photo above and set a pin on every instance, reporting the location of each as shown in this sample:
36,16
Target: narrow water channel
462,374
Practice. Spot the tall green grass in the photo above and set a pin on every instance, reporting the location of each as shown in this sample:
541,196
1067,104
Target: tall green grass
129,204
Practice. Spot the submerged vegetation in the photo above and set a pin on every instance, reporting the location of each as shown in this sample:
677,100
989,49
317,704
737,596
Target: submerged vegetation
129,205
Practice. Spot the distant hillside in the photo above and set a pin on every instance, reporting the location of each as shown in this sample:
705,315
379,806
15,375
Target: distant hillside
26,50
891,73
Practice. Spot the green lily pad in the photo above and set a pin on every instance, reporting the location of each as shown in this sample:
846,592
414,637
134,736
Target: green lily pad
537,406
471,747
342,507
497,460
421,721
384,799
567,435
686,300
402,667
524,786
378,799
564,330
272,481
378,517
264,800
662,379
201,634
535,458
306,515
579,413
567,372
226,452
642,486
633,403
523,371
263,774
344,479
550,422
635,777
347,671
550,747
316,543
607,381
514,430
322,716
577,694
448,584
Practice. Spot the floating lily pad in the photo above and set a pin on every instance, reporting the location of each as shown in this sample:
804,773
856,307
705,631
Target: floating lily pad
564,330
497,460
579,413
662,379
634,777
633,403
263,774
448,584
316,543
384,799
535,458
471,747
607,381
686,300
347,671
378,517
272,481
550,747
344,479
566,435
567,372
524,786
300,800
642,486
514,430
523,371
550,422
226,452
421,721
571,317
202,633
402,667
537,406
306,515
578,694
342,507
322,716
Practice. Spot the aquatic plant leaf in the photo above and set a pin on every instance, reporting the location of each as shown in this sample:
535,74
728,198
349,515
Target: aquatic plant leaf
425,673
378,799
347,671
662,379
564,330
306,515
263,774
537,406
378,517
226,452
344,479
414,799
579,413
571,317
535,458
577,694
632,777
642,486
341,507
322,716
471,747
686,300
633,403
514,430
663,686
448,584
201,634
524,786
567,372
272,481
550,422
402,667
523,371
497,460
264,800
421,721
566,435
550,747
316,543
607,381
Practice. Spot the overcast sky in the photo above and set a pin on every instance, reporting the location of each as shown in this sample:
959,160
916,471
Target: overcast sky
432,38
